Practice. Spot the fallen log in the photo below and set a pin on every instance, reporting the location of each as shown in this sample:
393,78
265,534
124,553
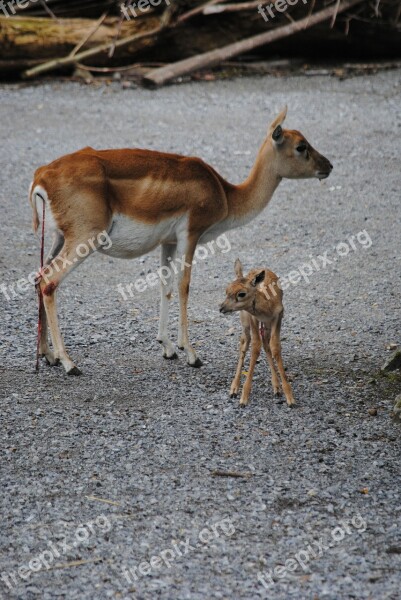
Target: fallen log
159,77
45,38
197,38
72,59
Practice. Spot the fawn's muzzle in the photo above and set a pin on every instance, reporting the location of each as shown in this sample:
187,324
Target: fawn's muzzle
224,309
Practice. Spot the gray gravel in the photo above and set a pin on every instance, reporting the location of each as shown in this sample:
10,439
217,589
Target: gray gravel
131,446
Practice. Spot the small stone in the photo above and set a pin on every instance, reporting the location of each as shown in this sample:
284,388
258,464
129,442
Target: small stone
394,362
372,412
397,409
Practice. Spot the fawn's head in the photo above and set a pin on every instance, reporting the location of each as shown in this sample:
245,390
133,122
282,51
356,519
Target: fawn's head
294,157
241,293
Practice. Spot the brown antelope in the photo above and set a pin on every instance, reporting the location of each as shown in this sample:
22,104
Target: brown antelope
143,199
259,299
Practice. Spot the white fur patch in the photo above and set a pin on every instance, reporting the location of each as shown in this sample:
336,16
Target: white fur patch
131,238
36,195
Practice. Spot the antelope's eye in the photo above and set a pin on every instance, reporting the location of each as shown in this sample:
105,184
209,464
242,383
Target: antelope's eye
301,147
241,295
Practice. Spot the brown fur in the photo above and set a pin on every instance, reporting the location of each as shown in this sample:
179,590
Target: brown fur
259,299
127,182
88,188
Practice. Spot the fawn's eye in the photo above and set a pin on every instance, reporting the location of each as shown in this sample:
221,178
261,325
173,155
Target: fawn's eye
241,295
301,147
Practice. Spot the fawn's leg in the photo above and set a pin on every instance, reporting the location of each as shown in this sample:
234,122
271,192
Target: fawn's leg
243,349
275,345
255,353
275,379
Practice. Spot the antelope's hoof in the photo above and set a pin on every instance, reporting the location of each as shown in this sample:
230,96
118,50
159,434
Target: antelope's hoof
74,371
198,363
291,404
277,393
50,360
172,357
243,404
233,394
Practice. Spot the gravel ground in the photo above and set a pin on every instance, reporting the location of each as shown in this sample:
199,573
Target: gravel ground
114,470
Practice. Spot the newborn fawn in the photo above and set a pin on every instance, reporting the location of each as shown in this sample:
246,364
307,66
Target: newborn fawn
258,297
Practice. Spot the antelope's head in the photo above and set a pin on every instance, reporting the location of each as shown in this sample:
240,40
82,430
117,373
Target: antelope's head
241,293
294,157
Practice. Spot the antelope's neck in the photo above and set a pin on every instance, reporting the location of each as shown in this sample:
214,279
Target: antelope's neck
248,199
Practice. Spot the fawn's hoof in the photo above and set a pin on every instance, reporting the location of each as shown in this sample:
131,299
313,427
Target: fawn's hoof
172,357
74,371
233,394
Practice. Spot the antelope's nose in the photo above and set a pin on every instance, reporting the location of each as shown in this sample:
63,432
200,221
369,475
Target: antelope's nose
222,308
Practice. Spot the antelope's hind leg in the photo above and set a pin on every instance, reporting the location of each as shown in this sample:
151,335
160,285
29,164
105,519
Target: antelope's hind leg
53,274
275,379
275,345
44,348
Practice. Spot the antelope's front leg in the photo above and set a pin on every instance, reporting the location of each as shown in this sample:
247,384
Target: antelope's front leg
255,353
166,287
243,349
185,253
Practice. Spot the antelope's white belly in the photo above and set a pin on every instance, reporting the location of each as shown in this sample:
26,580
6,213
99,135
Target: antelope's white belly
131,238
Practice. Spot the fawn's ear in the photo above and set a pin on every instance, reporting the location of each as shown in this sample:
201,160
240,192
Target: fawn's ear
238,268
258,278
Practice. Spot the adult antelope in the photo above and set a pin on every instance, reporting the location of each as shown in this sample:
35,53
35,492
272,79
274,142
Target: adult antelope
143,199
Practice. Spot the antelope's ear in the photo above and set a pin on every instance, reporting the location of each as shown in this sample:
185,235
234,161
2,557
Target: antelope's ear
238,268
275,129
258,278
279,120
278,135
